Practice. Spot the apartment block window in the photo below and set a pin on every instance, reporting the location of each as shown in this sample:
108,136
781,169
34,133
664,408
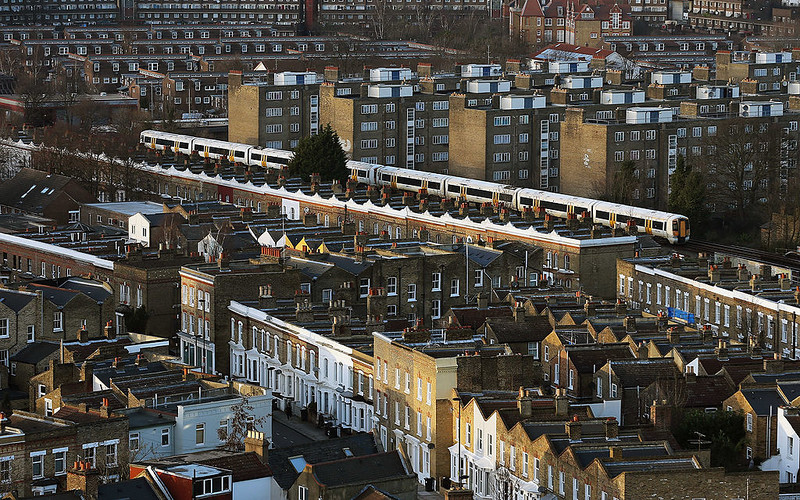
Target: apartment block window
4,330
524,464
619,155
391,285
501,121
165,437
412,292
368,109
502,139
454,287
619,136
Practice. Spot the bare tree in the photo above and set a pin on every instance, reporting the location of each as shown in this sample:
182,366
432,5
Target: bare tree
742,166
242,421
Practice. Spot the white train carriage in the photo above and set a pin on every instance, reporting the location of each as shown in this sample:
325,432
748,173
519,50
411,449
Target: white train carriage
480,191
211,148
673,227
560,205
162,141
411,180
365,173
269,158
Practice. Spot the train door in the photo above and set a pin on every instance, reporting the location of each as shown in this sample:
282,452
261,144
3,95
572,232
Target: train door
463,194
495,198
612,219
648,226
394,181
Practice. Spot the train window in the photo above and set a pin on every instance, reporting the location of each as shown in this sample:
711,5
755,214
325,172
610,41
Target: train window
410,181
479,192
278,160
147,139
601,214
639,221
434,185
558,207
526,201
198,147
580,210
163,142
386,177
255,156
218,151
658,225
238,154
453,189
183,145
506,197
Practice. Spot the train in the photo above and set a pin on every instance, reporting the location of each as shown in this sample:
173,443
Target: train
673,227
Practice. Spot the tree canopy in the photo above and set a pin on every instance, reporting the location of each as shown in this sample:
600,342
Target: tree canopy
322,154
725,430
688,192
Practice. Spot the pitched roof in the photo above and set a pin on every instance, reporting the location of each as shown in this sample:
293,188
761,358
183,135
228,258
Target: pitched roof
709,391
372,493
33,190
531,329
587,359
244,466
764,400
532,8
643,372
35,352
138,488
354,470
285,473
15,300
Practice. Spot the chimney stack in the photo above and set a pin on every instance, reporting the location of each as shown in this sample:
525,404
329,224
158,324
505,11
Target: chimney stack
611,428
109,332
573,429
524,403
83,335
82,476
256,443
661,415
561,402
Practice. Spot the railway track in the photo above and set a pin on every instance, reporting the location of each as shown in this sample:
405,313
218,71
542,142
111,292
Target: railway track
771,258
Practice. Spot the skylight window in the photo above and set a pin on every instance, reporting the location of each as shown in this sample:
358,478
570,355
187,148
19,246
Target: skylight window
298,462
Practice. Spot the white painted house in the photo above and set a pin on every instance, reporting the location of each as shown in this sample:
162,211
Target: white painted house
787,461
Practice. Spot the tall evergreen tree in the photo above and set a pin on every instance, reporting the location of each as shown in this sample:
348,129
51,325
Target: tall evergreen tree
321,153
688,192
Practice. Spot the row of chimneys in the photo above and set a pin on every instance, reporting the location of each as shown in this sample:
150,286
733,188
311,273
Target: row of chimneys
109,332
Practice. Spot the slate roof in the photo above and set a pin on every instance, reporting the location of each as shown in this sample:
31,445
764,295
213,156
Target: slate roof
34,352
475,317
643,372
532,329
709,391
14,300
33,190
91,288
318,451
372,493
58,296
360,469
762,400
244,466
587,359
138,488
